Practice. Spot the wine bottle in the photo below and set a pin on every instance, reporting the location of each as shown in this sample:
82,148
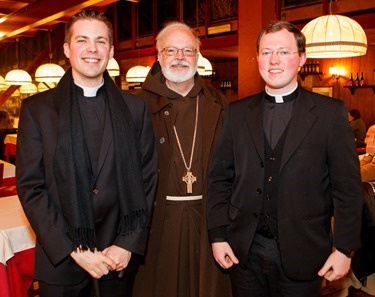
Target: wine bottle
351,81
361,80
317,67
357,80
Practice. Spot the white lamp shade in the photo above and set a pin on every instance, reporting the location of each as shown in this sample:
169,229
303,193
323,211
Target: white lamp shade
113,68
137,74
3,86
28,89
334,36
49,72
42,86
204,66
17,77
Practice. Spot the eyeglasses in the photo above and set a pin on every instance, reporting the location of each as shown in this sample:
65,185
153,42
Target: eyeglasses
172,51
281,53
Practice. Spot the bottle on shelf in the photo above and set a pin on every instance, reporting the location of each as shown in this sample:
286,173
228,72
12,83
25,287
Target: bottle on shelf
351,80
361,80
317,68
357,80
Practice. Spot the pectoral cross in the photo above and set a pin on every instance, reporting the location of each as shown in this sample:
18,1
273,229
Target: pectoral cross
189,179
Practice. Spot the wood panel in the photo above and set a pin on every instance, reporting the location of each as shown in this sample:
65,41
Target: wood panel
363,99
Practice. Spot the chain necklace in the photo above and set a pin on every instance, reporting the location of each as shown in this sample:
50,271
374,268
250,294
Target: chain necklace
189,178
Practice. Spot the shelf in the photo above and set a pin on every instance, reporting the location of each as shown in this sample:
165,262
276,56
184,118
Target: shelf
354,88
303,75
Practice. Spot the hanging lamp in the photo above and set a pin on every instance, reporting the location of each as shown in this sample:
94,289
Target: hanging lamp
3,86
28,89
49,72
44,86
334,36
113,68
204,66
137,74
17,77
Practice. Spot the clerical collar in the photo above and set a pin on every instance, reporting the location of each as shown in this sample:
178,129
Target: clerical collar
281,98
90,91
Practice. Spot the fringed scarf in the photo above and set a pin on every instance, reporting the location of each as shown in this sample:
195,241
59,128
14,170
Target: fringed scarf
71,166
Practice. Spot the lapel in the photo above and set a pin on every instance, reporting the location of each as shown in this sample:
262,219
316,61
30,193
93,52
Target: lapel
254,120
106,141
300,124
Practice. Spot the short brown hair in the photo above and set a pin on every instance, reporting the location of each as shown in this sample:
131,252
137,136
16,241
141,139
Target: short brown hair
280,25
88,15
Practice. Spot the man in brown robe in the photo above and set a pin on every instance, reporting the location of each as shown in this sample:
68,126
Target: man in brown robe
187,119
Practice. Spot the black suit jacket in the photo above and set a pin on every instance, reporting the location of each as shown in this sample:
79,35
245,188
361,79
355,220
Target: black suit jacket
318,160
38,194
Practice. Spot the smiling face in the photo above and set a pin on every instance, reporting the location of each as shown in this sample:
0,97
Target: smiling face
88,50
178,68
279,71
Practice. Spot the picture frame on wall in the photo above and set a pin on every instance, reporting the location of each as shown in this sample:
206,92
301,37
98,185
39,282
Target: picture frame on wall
327,91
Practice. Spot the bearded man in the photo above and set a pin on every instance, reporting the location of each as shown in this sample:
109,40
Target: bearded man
187,119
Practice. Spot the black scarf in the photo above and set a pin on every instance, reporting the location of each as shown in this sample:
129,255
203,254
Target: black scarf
71,166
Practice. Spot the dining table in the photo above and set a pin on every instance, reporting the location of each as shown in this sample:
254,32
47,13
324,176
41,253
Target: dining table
10,142
17,245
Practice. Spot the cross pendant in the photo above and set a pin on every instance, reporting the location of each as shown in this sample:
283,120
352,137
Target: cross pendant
189,178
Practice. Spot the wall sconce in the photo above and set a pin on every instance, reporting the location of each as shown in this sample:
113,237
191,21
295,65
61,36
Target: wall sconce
335,72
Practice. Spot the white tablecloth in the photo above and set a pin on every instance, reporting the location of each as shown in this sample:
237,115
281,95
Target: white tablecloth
10,138
16,234
9,169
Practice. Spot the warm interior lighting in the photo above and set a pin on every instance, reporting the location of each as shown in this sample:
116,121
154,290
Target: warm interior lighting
49,72
28,89
44,86
334,36
335,72
3,86
137,74
113,68
204,66
17,77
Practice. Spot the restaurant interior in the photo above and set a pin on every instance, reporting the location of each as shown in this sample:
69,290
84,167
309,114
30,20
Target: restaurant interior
32,35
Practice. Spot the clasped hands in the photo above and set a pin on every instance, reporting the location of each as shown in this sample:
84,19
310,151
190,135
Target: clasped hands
99,263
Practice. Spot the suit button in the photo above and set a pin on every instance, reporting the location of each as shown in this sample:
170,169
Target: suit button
162,140
255,215
95,191
272,159
268,197
259,191
267,216
166,113
98,220
261,164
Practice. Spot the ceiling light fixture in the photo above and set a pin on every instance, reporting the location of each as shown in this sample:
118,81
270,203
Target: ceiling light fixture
49,72
334,36
204,66
28,89
17,77
137,74
113,68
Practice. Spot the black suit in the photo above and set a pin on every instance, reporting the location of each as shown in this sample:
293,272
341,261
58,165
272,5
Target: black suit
36,184
318,160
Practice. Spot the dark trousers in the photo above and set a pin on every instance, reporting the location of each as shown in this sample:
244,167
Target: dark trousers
264,275
109,285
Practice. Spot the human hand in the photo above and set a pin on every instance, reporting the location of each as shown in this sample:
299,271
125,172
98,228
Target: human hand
370,144
223,254
95,263
336,266
120,256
